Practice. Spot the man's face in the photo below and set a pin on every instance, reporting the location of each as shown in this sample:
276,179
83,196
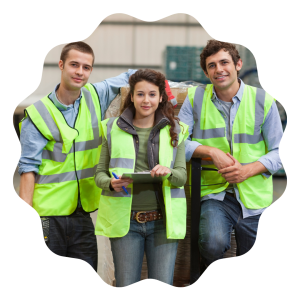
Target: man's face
76,69
221,70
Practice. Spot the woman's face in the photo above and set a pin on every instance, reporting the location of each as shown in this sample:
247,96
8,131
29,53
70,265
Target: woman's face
146,99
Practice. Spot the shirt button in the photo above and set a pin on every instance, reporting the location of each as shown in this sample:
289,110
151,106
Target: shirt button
137,141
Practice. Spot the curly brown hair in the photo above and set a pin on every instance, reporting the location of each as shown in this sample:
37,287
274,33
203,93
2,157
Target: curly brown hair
157,79
213,47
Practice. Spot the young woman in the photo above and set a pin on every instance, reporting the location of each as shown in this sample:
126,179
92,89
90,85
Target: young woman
151,217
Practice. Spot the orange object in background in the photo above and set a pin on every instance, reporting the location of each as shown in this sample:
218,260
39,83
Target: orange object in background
170,95
206,158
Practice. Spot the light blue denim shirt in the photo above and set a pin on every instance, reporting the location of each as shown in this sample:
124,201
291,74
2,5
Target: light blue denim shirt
32,141
271,130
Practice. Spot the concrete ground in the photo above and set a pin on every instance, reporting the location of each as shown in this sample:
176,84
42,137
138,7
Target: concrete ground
105,265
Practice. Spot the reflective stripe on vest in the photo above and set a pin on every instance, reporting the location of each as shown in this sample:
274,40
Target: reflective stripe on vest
247,145
113,218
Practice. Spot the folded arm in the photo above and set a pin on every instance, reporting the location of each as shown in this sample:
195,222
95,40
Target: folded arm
194,148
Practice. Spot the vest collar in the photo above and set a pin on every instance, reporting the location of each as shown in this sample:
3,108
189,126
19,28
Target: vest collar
237,97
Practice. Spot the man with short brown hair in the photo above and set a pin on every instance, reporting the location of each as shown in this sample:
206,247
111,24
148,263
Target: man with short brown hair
236,129
61,143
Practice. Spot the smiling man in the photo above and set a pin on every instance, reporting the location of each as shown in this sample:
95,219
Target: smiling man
61,144
236,129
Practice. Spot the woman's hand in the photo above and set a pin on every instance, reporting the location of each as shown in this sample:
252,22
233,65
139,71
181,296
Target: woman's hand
118,183
159,170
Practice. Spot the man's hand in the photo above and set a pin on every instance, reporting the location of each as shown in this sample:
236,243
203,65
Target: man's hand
236,173
220,159
159,170
118,183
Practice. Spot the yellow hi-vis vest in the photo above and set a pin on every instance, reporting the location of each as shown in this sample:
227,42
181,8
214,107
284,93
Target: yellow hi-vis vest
113,218
69,158
248,144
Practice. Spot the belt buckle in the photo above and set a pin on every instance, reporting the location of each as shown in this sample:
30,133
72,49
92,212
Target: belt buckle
137,216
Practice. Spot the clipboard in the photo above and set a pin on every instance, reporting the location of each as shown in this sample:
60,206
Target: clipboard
144,177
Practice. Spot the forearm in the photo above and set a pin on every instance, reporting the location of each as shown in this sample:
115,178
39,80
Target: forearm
102,176
27,187
178,177
254,169
102,180
204,152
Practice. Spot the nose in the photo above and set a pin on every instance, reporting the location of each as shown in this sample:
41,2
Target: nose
219,68
79,70
146,99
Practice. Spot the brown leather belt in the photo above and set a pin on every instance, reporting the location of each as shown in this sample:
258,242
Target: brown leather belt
230,194
146,216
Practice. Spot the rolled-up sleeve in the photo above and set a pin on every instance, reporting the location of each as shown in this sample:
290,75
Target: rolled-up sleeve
108,89
32,144
186,116
272,133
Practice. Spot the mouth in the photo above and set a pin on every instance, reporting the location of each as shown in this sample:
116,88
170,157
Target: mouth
221,77
146,107
77,79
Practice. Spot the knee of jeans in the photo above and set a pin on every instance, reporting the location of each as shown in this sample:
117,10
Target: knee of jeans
214,247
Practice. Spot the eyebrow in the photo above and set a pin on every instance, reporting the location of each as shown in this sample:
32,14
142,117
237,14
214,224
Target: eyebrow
222,60
150,91
73,61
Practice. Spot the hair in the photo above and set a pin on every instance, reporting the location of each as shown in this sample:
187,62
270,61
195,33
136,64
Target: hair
214,47
79,46
157,79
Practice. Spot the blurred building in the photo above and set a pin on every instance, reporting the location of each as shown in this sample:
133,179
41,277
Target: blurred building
171,45
122,42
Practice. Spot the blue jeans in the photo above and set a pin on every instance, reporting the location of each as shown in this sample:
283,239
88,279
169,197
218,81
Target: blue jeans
128,253
217,219
74,236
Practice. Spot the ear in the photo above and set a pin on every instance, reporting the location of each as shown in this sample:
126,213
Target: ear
160,99
131,98
239,65
61,65
206,74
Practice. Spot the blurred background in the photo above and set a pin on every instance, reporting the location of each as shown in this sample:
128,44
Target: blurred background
171,45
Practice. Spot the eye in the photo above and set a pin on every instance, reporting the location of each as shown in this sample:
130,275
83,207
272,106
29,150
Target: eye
140,94
152,94
87,68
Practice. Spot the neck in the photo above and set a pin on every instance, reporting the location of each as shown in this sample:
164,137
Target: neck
143,122
67,96
228,94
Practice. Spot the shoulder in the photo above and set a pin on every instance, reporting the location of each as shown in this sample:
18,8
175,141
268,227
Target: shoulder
260,95
92,89
109,122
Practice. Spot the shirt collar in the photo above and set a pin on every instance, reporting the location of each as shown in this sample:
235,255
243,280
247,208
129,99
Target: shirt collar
238,96
58,104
